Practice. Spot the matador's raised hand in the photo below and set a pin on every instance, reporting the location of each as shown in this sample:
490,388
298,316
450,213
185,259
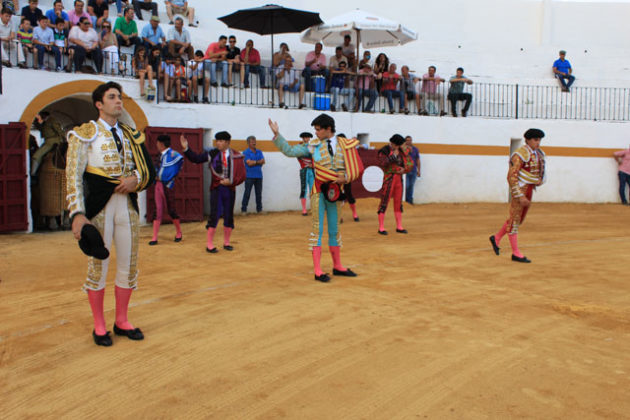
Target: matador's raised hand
274,127
184,142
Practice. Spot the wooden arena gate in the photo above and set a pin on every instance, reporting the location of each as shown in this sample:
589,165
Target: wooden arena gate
13,178
189,182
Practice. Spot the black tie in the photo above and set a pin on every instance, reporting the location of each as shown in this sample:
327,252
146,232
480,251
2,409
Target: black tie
119,145
330,150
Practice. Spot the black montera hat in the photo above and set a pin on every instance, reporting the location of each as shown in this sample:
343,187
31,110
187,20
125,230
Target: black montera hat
91,243
534,133
397,139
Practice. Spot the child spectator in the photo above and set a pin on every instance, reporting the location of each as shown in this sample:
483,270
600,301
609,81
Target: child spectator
44,40
25,37
180,79
61,41
195,74
142,69
167,70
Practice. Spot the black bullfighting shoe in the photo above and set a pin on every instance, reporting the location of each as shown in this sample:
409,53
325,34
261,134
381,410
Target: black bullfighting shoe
495,247
134,334
522,259
347,273
102,340
324,278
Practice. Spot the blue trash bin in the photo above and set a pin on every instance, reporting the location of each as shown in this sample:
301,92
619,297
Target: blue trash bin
319,84
321,102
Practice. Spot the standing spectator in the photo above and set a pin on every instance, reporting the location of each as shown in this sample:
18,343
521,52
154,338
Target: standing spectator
430,83
340,84
57,12
84,40
25,38
456,92
281,56
9,40
153,36
61,41
254,160
195,75
352,62
288,79
109,47
365,85
44,40
178,40
32,12
562,70
314,64
233,58
381,65
334,61
142,69
367,56
390,89
180,7
99,11
407,87
410,177
623,159
216,53
347,47
75,15
140,5
251,60
126,31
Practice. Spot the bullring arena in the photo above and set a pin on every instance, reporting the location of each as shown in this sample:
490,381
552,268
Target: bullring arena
434,326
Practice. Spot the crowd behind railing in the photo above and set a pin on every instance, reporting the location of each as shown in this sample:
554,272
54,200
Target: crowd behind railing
169,69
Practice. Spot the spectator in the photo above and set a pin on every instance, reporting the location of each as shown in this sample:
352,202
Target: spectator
456,92
366,87
25,37
32,13
216,53
334,61
347,47
411,176
119,8
179,40
367,56
153,36
562,70
288,79
140,5
340,84
254,160
390,89
142,69
167,69
281,56
381,65
314,64
623,159
99,11
180,79
407,86
8,37
57,12
84,40
196,74
12,5
75,15
430,83
352,62
233,58
180,7
126,30
109,47
61,41
44,40
251,60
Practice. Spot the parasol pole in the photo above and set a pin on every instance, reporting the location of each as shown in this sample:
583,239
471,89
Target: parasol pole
271,76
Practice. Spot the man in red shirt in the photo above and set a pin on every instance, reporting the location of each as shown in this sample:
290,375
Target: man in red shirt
216,53
251,58
390,89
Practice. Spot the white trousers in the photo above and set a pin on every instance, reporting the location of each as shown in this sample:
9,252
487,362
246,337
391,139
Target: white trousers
117,223
9,49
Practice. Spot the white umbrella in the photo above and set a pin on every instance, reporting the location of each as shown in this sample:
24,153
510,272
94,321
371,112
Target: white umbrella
372,31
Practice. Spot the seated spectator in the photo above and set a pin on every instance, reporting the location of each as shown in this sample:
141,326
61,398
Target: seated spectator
140,5
340,83
180,7
289,80
12,5
233,58
153,36
562,70
430,83
119,6
216,53
57,12
8,38
456,92
142,69
99,11
390,89
334,61
181,94
347,47
61,41
25,37
167,70
75,15
281,56
44,40
126,30
84,40
155,60
381,65
367,57
314,64
195,75
109,47
32,13
366,87
407,86
251,59
179,40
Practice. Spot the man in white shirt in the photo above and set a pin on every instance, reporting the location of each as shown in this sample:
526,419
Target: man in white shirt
44,40
178,40
289,79
84,41
8,39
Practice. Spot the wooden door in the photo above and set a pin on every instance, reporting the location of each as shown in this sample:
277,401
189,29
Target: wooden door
369,157
13,178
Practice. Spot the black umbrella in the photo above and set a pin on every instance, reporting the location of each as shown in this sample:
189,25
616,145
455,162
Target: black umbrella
271,19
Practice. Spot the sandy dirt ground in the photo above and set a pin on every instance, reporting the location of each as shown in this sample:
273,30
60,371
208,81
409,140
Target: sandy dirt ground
435,326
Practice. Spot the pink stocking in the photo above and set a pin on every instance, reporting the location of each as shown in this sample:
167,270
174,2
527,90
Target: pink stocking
514,244
353,206
303,200
398,217
381,222
210,243
501,233
317,256
156,230
336,257
122,304
178,228
226,235
96,298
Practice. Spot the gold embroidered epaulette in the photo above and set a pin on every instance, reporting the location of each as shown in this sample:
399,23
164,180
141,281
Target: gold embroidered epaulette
136,136
523,152
86,132
348,143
